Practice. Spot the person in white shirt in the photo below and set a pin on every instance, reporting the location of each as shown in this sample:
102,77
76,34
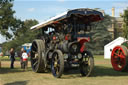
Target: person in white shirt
24,59
20,55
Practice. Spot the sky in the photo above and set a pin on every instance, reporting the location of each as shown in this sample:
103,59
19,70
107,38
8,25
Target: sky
42,10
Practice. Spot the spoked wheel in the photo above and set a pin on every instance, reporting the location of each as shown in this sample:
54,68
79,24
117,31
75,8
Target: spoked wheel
119,58
86,64
37,56
57,63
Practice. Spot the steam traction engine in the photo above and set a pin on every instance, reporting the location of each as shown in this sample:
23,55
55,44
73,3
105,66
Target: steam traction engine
119,57
63,42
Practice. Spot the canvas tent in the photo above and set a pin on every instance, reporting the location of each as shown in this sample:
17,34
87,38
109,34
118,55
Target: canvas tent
27,47
108,48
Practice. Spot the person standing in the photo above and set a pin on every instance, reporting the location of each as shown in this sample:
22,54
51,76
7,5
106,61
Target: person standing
12,57
20,55
1,54
0,62
25,59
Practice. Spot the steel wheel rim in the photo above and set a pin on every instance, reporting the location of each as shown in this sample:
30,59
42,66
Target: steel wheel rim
118,58
34,56
86,65
55,65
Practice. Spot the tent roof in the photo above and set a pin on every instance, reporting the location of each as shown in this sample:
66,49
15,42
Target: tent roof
116,40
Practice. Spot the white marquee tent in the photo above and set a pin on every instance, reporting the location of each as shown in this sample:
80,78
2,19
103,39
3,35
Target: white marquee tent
108,48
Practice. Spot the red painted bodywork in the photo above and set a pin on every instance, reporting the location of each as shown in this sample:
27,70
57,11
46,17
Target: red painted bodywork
118,52
67,37
83,40
54,37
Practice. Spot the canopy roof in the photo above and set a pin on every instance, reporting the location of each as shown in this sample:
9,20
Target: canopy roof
83,15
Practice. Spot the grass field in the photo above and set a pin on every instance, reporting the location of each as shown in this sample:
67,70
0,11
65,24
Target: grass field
103,74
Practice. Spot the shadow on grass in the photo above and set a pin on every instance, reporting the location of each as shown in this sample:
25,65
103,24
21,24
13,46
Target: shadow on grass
17,83
72,73
15,70
106,71
99,71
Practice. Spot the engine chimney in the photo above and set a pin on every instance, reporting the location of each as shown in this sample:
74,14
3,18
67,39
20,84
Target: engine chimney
113,11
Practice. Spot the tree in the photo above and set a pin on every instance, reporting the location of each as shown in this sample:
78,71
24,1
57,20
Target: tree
7,19
125,25
12,28
25,32
22,35
100,35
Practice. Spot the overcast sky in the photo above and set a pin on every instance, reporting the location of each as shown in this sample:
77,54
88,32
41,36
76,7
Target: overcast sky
42,10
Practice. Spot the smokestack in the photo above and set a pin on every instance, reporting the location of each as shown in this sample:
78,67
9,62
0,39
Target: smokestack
113,26
113,11
102,12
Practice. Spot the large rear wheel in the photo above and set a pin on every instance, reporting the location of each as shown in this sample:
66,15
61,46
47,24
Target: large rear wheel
119,58
86,64
37,56
57,63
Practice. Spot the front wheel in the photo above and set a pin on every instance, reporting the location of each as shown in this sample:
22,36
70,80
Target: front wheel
119,58
57,63
86,64
37,56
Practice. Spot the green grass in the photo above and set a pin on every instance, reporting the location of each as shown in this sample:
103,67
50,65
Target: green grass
103,74
6,58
